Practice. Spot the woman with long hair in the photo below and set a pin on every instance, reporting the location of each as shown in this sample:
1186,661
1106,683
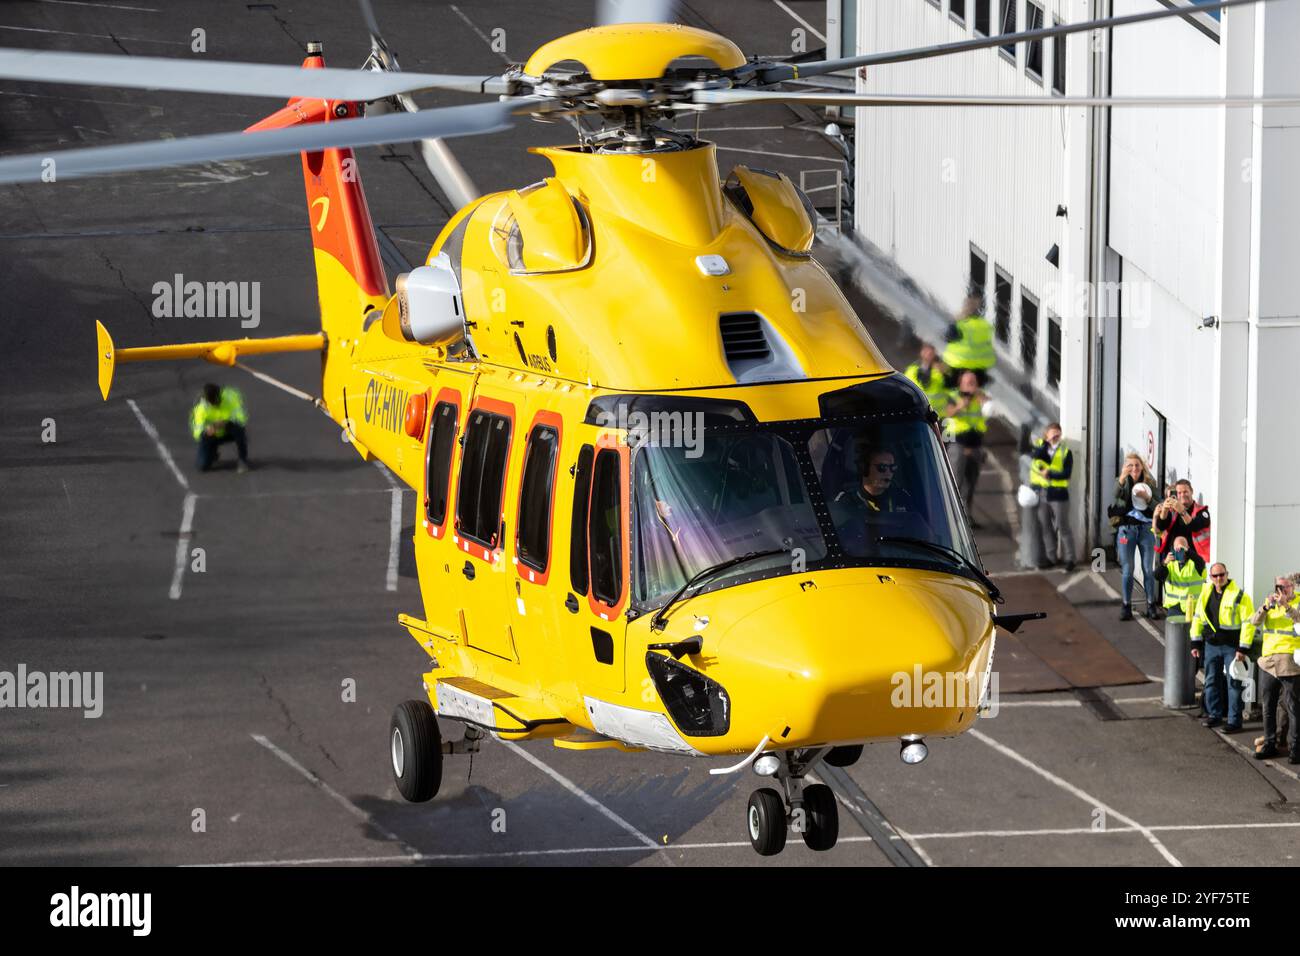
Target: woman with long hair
1130,516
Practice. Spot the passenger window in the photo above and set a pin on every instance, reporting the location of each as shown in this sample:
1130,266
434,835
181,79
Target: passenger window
437,470
578,529
533,543
482,474
605,525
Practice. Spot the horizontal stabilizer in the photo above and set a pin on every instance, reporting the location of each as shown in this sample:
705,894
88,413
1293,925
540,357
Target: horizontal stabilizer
221,352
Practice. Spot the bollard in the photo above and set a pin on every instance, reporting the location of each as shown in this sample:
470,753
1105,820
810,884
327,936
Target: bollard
1031,540
1180,672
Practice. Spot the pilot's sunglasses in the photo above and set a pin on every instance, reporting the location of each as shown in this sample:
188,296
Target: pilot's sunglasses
1219,575
886,469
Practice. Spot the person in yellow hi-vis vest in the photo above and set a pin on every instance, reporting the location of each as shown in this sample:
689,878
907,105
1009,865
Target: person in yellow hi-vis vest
219,416
1279,675
1222,632
966,424
928,376
970,345
1049,474
1183,574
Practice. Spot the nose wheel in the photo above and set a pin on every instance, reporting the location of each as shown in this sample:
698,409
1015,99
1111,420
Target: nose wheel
808,809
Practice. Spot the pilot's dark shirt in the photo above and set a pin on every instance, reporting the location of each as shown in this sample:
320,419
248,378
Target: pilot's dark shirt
854,510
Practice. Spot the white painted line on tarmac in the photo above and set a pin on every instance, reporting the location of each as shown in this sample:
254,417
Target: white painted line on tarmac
736,844
1275,762
394,526
163,453
1071,581
96,36
582,795
275,382
101,6
1075,791
1146,625
481,35
334,795
811,29
183,545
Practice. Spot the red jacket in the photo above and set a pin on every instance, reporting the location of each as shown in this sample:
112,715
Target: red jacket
1196,528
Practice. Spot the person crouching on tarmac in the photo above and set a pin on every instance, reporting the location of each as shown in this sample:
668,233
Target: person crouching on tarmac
1222,630
219,417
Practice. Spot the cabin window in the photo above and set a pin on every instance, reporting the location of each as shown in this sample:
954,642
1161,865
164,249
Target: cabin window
437,470
482,475
605,529
533,544
578,530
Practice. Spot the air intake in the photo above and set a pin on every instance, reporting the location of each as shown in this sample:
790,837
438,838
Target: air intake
743,339
755,351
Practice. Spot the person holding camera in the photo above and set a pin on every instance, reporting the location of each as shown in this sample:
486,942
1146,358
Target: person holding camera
965,422
1279,675
1181,515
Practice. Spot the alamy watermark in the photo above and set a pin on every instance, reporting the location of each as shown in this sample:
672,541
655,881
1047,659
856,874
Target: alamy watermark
78,690
665,429
919,688
208,300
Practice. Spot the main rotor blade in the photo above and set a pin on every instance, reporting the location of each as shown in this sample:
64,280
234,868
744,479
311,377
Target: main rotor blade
232,79
779,72
734,97
634,11
394,128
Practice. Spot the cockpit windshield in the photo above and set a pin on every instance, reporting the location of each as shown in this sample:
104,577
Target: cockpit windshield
820,491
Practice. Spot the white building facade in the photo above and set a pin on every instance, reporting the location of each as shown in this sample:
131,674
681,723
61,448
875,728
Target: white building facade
1141,266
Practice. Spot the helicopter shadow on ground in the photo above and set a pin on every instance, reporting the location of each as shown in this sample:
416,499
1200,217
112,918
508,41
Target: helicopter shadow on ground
37,834
542,823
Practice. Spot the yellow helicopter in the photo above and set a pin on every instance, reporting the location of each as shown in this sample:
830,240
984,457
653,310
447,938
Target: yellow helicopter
670,495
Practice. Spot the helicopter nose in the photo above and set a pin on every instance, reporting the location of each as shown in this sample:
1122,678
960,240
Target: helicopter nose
897,654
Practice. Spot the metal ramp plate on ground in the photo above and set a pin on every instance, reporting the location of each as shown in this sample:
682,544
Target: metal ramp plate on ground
1065,644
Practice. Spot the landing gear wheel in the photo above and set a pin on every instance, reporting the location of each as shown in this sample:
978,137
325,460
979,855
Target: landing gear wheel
766,819
844,756
415,750
822,828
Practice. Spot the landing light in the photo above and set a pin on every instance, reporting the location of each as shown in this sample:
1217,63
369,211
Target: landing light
913,750
767,765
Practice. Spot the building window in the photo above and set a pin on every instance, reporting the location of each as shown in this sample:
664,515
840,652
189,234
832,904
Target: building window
606,529
535,496
1053,351
983,17
482,477
1034,52
957,10
1002,305
979,277
578,528
1058,62
1028,333
1009,26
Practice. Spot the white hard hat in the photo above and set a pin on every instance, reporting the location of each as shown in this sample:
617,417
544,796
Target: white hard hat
1239,670
1026,497
1141,495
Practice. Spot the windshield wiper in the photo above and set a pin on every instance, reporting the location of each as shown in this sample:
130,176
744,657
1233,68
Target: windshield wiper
660,621
964,561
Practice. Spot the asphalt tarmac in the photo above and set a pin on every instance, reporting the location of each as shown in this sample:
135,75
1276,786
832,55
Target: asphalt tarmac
246,705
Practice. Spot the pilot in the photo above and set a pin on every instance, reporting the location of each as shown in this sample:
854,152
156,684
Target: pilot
216,418
863,512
